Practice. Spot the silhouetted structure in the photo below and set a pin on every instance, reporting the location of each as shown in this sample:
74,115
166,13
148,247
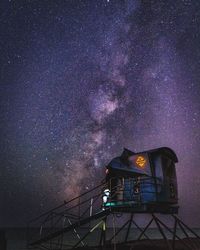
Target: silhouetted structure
142,182
145,181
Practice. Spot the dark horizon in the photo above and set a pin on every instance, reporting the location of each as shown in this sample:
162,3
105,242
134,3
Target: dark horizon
81,80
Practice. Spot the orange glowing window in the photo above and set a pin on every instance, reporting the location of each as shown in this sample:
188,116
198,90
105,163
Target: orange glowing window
140,161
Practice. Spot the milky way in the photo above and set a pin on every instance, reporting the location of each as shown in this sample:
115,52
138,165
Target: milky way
82,79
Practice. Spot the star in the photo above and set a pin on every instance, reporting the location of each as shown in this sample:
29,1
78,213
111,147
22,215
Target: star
81,81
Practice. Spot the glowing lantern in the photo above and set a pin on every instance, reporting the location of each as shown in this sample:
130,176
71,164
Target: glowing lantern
140,161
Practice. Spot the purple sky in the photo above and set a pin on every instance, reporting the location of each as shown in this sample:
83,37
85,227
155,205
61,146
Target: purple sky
80,80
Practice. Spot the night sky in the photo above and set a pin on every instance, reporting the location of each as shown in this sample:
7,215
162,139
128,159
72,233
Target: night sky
80,80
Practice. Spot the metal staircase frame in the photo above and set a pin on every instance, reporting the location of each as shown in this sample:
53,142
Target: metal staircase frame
86,209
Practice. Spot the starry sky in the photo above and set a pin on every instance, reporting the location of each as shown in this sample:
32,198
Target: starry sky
80,80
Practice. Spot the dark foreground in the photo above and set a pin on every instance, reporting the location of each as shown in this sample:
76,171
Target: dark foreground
16,239
190,243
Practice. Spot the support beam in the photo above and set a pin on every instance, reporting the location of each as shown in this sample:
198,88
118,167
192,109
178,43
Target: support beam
101,217
186,226
103,233
186,234
143,232
129,227
171,231
174,235
162,232
90,231
119,230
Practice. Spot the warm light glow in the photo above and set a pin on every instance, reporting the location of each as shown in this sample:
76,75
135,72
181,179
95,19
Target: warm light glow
140,161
